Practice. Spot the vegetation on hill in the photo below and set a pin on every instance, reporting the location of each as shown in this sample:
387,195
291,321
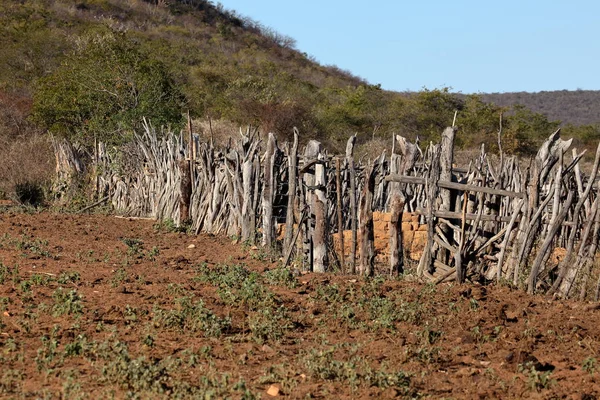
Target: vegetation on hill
94,68
572,107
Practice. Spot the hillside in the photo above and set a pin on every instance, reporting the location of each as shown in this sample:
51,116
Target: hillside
578,107
92,69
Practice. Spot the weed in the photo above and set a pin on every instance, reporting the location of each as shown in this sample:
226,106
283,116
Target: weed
473,304
25,286
4,302
31,247
40,280
68,277
281,276
230,276
193,316
11,381
323,365
76,347
383,379
153,253
537,380
175,289
119,277
46,354
269,324
589,365
134,246
66,303
4,273
330,294
168,225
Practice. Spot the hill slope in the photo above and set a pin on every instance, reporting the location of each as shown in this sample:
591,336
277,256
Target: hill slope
93,68
579,107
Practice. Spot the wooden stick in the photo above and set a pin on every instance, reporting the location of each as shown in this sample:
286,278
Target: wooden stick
338,183
454,185
289,251
96,204
353,213
292,177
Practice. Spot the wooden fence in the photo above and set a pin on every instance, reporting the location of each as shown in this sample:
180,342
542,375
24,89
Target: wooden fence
534,224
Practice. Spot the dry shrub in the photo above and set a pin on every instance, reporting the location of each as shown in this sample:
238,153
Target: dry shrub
220,130
372,149
27,167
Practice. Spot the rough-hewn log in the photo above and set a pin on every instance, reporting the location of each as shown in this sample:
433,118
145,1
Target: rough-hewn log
432,189
292,176
340,225
268,193
185,188
454,185
396,249
353,213
320,260
366,234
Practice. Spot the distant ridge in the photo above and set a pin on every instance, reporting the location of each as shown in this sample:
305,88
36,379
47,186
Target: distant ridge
576,107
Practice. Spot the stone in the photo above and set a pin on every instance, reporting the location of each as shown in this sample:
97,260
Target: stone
273,391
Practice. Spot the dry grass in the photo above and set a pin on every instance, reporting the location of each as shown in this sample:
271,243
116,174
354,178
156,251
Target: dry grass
26,160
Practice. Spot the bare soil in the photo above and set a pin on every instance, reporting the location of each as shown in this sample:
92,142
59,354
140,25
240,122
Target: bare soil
94,306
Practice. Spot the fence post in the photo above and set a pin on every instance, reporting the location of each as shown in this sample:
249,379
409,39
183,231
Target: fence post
292,174
320,260
352,196
268,192
367,237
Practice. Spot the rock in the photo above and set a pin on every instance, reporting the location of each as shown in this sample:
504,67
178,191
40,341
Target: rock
192,246
273,391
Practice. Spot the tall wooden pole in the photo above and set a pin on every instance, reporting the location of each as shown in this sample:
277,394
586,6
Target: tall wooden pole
338,184
353,213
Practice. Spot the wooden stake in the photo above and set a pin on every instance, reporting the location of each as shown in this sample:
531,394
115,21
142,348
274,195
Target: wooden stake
338,183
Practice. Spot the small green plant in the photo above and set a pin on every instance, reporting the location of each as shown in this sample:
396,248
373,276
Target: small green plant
269,324
537,380
4,273
281,276
589,365
68,277
66,302
119,277
473,304
134,246
168,225
153,253
192,316
32,247
46,354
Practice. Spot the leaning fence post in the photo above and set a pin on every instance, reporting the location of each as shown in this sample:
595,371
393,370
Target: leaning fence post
352,177
338,184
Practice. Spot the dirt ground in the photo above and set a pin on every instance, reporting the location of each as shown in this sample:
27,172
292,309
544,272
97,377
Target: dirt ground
94,306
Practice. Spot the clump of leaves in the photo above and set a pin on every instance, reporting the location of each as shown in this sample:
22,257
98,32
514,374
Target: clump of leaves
537,380
269,324
66,302
281,276
192,316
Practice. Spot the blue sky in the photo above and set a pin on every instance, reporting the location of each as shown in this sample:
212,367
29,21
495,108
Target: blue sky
470,46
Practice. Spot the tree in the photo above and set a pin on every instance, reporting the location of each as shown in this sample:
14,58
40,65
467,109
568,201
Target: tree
104,89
